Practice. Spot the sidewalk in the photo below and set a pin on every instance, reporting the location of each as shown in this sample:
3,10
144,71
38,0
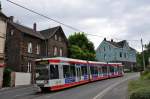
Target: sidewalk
17,87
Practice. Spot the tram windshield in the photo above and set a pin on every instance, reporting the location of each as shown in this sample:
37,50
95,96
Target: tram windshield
42,70
42,73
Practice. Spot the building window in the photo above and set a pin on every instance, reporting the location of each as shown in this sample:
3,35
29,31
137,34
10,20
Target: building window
29,47
60,52
11,32
59,38
55,51
99,50
120,54
55,37
109,47
104,56
125,55
29,67
104,49
38,49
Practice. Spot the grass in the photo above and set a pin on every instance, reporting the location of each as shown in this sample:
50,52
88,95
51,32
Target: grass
140,89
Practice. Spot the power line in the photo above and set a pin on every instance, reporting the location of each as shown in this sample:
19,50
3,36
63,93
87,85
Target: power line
45,16
66,25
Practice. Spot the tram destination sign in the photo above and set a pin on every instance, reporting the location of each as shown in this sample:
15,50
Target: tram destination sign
42,62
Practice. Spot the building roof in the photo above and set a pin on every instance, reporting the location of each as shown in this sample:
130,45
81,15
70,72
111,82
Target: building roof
48,33
114,44
27,30
119,44
3,15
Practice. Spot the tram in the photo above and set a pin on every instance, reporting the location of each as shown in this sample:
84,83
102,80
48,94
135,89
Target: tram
58,73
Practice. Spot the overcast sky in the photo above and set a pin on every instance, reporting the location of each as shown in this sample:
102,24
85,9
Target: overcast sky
122,19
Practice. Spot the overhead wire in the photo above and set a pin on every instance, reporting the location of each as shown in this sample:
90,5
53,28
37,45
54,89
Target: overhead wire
66,25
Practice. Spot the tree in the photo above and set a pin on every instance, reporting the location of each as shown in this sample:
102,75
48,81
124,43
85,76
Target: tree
80,47
146,56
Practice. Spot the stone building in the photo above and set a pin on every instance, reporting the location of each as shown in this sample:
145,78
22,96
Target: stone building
24,45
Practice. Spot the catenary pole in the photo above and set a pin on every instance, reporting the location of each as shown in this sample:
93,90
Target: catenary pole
143,55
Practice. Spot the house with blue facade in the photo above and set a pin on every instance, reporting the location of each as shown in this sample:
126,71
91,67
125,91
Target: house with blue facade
110,51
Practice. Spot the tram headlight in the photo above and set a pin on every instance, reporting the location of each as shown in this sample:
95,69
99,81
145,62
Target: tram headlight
45,81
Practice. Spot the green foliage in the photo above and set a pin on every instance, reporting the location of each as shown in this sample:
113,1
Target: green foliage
140,89
141,93
146,55
80,47
145,75
7,77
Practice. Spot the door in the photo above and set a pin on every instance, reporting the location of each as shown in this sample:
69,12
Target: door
78,72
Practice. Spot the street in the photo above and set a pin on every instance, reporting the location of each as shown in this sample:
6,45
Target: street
115,88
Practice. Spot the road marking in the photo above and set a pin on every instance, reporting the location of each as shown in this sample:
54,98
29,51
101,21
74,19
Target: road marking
101,94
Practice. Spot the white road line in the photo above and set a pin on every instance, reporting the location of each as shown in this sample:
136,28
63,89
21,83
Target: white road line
102,93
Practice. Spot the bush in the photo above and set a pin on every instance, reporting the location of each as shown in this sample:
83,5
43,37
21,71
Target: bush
145,72
145,75
141,93
139,89
7,77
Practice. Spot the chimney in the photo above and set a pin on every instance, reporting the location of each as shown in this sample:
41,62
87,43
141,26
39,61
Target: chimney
34,26
11,18
105,39
111,40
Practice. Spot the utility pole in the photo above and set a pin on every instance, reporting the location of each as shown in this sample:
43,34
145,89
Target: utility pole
143,54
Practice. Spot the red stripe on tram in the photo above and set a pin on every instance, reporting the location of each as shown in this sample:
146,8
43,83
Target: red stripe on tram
54,61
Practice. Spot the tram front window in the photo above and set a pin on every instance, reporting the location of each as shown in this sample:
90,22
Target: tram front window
42,73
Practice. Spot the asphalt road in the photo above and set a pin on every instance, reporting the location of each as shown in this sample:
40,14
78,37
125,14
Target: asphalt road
115,88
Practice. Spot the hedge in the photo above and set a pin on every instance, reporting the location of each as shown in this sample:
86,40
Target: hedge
7,77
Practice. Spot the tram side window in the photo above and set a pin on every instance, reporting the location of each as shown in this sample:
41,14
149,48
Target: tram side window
111,69
104,68
92,69
116,69
84,70
120,69
54,73
72,70
100,70
66,71
96,70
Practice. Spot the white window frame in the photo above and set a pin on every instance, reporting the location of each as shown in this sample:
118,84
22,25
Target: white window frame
29,67
12,32
38,49
56,37
29,47
55,51
59,38
60,52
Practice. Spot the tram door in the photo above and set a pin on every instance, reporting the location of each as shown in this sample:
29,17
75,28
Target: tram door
78,72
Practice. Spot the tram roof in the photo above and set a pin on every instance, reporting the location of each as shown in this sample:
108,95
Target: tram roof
64,59
76,61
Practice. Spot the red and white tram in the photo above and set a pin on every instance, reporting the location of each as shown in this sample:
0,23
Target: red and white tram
59,73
